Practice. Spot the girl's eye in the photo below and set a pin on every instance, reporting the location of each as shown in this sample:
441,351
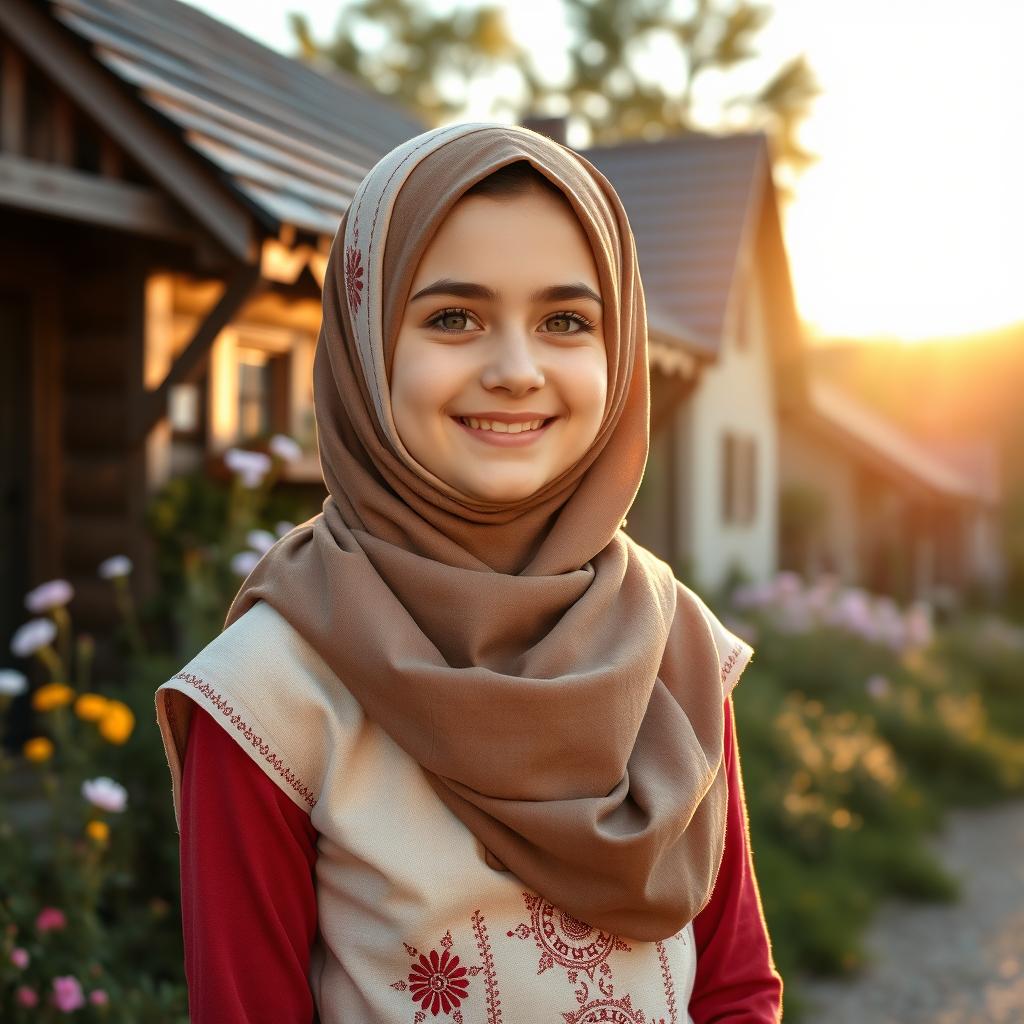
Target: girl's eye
565,318
449,314
583,324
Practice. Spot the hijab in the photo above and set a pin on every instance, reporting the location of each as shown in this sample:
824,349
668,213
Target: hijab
559,688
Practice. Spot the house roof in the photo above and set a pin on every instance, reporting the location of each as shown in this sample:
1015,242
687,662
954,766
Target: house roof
291,141
690,201
965,474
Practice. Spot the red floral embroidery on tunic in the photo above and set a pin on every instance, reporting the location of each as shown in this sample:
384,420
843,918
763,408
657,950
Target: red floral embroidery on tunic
354,273
437,981
568,942
606,1011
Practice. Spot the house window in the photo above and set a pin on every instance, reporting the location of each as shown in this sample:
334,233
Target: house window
253,392
739,479
262,392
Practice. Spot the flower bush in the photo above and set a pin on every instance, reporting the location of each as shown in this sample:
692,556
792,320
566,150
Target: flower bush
90,926
61,847
860,723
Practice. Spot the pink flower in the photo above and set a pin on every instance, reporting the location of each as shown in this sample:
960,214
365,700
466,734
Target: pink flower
26,996
98,997
19,957
67,993
50,919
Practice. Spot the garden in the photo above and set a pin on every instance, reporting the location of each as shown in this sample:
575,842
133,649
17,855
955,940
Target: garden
861,724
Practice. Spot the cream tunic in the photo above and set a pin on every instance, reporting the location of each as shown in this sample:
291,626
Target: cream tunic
413,923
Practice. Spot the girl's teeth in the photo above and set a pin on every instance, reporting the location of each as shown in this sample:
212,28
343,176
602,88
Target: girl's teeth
502,428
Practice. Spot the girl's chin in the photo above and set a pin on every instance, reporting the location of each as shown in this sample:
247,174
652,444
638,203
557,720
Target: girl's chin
492,487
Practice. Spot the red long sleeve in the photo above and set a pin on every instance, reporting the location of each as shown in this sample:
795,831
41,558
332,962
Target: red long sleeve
249,903
248,898
736,977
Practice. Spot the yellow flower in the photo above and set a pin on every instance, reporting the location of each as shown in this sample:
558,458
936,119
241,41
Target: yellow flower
52,695
38,749
116,722
90,706
98,830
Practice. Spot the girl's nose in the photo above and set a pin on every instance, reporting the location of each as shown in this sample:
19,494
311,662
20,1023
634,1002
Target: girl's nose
512,366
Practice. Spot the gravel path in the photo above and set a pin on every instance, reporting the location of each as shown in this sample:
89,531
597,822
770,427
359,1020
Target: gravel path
959,963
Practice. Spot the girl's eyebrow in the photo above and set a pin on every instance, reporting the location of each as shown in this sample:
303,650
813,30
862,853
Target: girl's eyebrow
469,290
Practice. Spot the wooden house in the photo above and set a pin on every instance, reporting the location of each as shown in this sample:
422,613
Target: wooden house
169,190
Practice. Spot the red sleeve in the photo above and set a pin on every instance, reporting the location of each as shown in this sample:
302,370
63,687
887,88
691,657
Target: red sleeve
736,976
248,898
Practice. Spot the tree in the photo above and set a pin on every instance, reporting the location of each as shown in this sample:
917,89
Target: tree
432,62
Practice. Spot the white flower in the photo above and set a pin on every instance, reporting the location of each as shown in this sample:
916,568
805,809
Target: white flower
33,635
244,562
116,565
251,467
260,540
105,793
12,682
878,686
283,527
285,447
54,594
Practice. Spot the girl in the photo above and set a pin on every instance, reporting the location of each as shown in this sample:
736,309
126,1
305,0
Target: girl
464,749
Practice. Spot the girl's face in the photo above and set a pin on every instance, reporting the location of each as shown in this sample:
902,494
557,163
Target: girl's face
500,374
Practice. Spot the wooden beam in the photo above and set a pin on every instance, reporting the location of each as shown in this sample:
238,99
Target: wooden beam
245,283
63,130
74,195
111,158
95,90
12,111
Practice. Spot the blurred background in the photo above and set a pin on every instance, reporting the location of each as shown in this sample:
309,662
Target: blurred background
827,206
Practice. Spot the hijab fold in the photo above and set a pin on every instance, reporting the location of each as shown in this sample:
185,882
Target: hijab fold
560,689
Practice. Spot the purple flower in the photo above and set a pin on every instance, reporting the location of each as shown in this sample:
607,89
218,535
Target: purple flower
19,957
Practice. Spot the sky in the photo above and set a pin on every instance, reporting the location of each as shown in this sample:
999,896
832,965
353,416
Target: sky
911,223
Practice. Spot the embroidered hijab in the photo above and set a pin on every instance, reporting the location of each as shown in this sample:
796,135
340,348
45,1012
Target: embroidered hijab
560,689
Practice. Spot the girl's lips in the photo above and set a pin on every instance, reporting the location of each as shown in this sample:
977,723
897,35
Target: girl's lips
501,440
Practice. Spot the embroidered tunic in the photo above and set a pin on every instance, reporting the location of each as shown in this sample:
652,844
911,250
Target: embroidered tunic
346,889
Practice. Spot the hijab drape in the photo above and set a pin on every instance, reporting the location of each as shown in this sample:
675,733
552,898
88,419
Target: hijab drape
561,691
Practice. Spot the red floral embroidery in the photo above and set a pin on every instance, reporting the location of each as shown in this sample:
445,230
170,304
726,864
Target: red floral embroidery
354,273
601,1010
669,982
437,982
256,741
569,942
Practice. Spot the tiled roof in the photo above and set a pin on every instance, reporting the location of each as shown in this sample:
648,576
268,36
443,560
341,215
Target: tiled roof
970,477
689,201
293,141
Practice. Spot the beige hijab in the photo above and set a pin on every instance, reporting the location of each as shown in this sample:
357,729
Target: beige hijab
560,689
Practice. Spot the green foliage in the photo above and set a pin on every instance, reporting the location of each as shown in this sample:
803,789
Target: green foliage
199,522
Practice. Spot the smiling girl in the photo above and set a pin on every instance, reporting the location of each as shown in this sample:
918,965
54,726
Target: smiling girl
464,749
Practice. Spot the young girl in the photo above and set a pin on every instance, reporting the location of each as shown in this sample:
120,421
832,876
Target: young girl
465,750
